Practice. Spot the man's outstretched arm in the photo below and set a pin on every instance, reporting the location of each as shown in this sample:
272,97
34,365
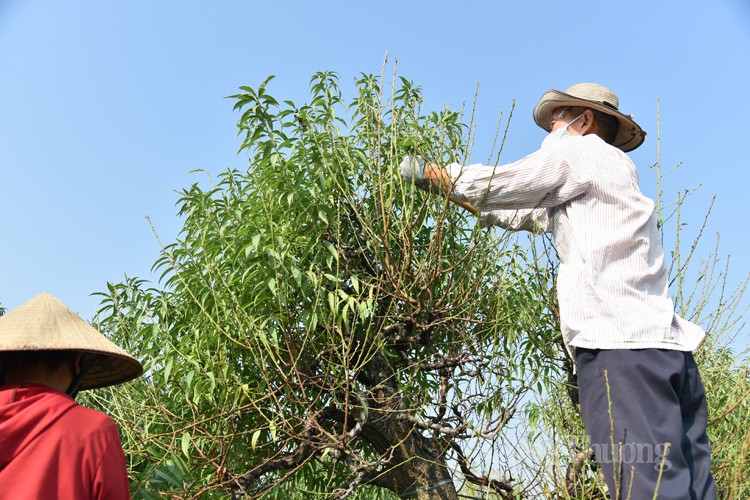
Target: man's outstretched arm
434,179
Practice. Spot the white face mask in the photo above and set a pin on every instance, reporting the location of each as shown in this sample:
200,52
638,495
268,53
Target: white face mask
559,134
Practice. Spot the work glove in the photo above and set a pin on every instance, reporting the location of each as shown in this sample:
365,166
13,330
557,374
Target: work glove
412,171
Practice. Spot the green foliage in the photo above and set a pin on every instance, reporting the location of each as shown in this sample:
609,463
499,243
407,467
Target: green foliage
726,376
320,326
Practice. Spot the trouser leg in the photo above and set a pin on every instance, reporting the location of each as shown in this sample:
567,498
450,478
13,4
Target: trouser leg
644,412
695,442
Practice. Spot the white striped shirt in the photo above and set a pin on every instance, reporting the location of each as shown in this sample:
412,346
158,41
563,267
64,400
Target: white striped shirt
612,284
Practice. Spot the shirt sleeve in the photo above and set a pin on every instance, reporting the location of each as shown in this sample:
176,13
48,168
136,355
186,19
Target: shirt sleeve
546,178
533,220
111,476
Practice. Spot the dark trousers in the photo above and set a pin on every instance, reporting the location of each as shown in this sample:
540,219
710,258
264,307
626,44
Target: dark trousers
645,414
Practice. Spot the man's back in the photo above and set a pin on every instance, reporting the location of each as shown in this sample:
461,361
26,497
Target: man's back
612,283
612,277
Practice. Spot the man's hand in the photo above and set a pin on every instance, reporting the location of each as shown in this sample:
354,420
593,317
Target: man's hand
412,170
438,179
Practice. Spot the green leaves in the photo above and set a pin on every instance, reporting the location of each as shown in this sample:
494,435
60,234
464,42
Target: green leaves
314,307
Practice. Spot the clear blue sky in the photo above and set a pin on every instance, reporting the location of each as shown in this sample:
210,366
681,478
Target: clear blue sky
106,106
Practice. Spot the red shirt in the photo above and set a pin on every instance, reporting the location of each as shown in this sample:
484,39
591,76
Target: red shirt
53,448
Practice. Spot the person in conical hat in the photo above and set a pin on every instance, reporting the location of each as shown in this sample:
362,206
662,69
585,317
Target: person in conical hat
616,316
51,446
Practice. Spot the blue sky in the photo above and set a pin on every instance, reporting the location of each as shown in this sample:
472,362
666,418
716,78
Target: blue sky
106,106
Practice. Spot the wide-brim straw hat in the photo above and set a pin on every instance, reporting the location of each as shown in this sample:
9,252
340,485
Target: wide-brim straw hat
46,324
591,95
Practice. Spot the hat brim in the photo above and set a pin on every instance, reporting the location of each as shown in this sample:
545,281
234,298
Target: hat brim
46,324
104,368
629,135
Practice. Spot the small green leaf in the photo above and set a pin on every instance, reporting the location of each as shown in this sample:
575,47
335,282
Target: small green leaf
254,439
186,444
168,368
297,275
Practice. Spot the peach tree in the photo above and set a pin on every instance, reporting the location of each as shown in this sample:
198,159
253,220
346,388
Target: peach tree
322,329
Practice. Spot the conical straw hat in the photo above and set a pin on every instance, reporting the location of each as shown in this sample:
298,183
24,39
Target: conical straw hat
46,324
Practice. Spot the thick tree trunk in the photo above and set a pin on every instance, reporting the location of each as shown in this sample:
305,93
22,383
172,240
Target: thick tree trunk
416,466
414,471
